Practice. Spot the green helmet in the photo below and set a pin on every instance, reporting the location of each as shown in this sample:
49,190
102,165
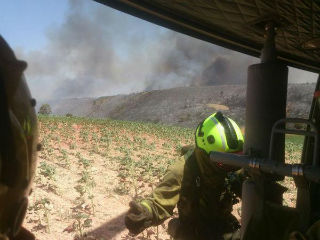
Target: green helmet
219,133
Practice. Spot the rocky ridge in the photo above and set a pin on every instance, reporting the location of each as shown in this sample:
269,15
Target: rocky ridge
183,106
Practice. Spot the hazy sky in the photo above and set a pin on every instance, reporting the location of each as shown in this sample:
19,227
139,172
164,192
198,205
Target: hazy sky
77,48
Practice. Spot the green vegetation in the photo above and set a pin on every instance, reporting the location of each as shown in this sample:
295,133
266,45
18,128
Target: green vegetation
87,163
293,147
295,139
47,170
89,168
45,109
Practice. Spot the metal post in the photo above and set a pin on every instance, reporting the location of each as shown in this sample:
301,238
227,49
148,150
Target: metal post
250,199
266,103
266,99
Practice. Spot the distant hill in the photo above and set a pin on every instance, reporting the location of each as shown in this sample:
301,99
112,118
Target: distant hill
184,106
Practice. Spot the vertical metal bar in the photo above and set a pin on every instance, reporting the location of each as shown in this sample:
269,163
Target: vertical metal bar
250,199
266,103
307,154
308,196
315,161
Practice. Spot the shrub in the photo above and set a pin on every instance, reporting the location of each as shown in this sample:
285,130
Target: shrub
45,109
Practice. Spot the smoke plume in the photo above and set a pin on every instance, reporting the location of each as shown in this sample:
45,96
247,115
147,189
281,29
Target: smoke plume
98,51
186,61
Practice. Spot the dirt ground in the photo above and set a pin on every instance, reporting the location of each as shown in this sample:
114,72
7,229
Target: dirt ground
88,172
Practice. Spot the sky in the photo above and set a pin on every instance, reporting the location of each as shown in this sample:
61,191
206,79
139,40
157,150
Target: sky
80,48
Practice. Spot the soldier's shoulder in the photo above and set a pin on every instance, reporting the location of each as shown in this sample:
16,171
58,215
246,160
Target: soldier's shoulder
187,149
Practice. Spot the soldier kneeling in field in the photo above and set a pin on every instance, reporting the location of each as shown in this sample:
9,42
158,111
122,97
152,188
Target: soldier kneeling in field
203,192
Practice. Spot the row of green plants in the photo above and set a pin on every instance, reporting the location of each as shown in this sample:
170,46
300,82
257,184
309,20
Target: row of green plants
139,152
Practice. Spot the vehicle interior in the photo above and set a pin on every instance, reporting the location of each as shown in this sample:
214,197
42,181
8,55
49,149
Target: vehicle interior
282,33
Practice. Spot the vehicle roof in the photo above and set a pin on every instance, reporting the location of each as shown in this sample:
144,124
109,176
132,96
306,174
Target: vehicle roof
238,24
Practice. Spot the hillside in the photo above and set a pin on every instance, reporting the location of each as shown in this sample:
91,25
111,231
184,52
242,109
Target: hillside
184,106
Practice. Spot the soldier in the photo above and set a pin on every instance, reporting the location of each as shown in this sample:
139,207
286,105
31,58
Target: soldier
203,192
19,137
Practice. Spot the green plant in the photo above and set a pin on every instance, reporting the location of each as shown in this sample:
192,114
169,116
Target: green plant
87,179
80,189
121,189
91,198
85,162
44,205
82,221
47,170
73,146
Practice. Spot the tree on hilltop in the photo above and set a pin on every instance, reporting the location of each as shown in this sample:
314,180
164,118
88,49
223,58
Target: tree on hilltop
45,109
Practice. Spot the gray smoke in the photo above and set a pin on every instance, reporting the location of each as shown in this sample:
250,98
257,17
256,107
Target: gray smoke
187,61
94,52
226,69
97,51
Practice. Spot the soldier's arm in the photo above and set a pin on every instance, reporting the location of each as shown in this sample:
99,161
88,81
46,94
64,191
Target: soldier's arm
165,196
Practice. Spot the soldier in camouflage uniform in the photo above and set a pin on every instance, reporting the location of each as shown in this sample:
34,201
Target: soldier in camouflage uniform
203,192
19,138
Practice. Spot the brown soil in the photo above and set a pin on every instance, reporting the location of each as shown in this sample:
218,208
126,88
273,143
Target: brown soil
55,206
84,181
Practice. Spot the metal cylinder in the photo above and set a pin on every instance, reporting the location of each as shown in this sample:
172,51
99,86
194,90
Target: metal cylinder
266,103
250,198
309,173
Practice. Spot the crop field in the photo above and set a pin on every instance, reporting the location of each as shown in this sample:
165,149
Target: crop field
90,169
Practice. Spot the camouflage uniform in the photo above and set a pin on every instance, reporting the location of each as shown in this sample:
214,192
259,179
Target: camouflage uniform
18,144
313,233
203,193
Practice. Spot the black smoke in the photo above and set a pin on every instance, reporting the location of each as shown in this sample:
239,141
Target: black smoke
186,61
98,51
222,70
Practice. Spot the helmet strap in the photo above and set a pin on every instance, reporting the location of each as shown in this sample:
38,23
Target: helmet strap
230,132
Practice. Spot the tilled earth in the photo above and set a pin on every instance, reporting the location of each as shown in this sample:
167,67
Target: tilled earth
89,171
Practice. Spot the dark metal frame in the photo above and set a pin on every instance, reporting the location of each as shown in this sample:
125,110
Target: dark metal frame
310,126
268,165
262,167
145,10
